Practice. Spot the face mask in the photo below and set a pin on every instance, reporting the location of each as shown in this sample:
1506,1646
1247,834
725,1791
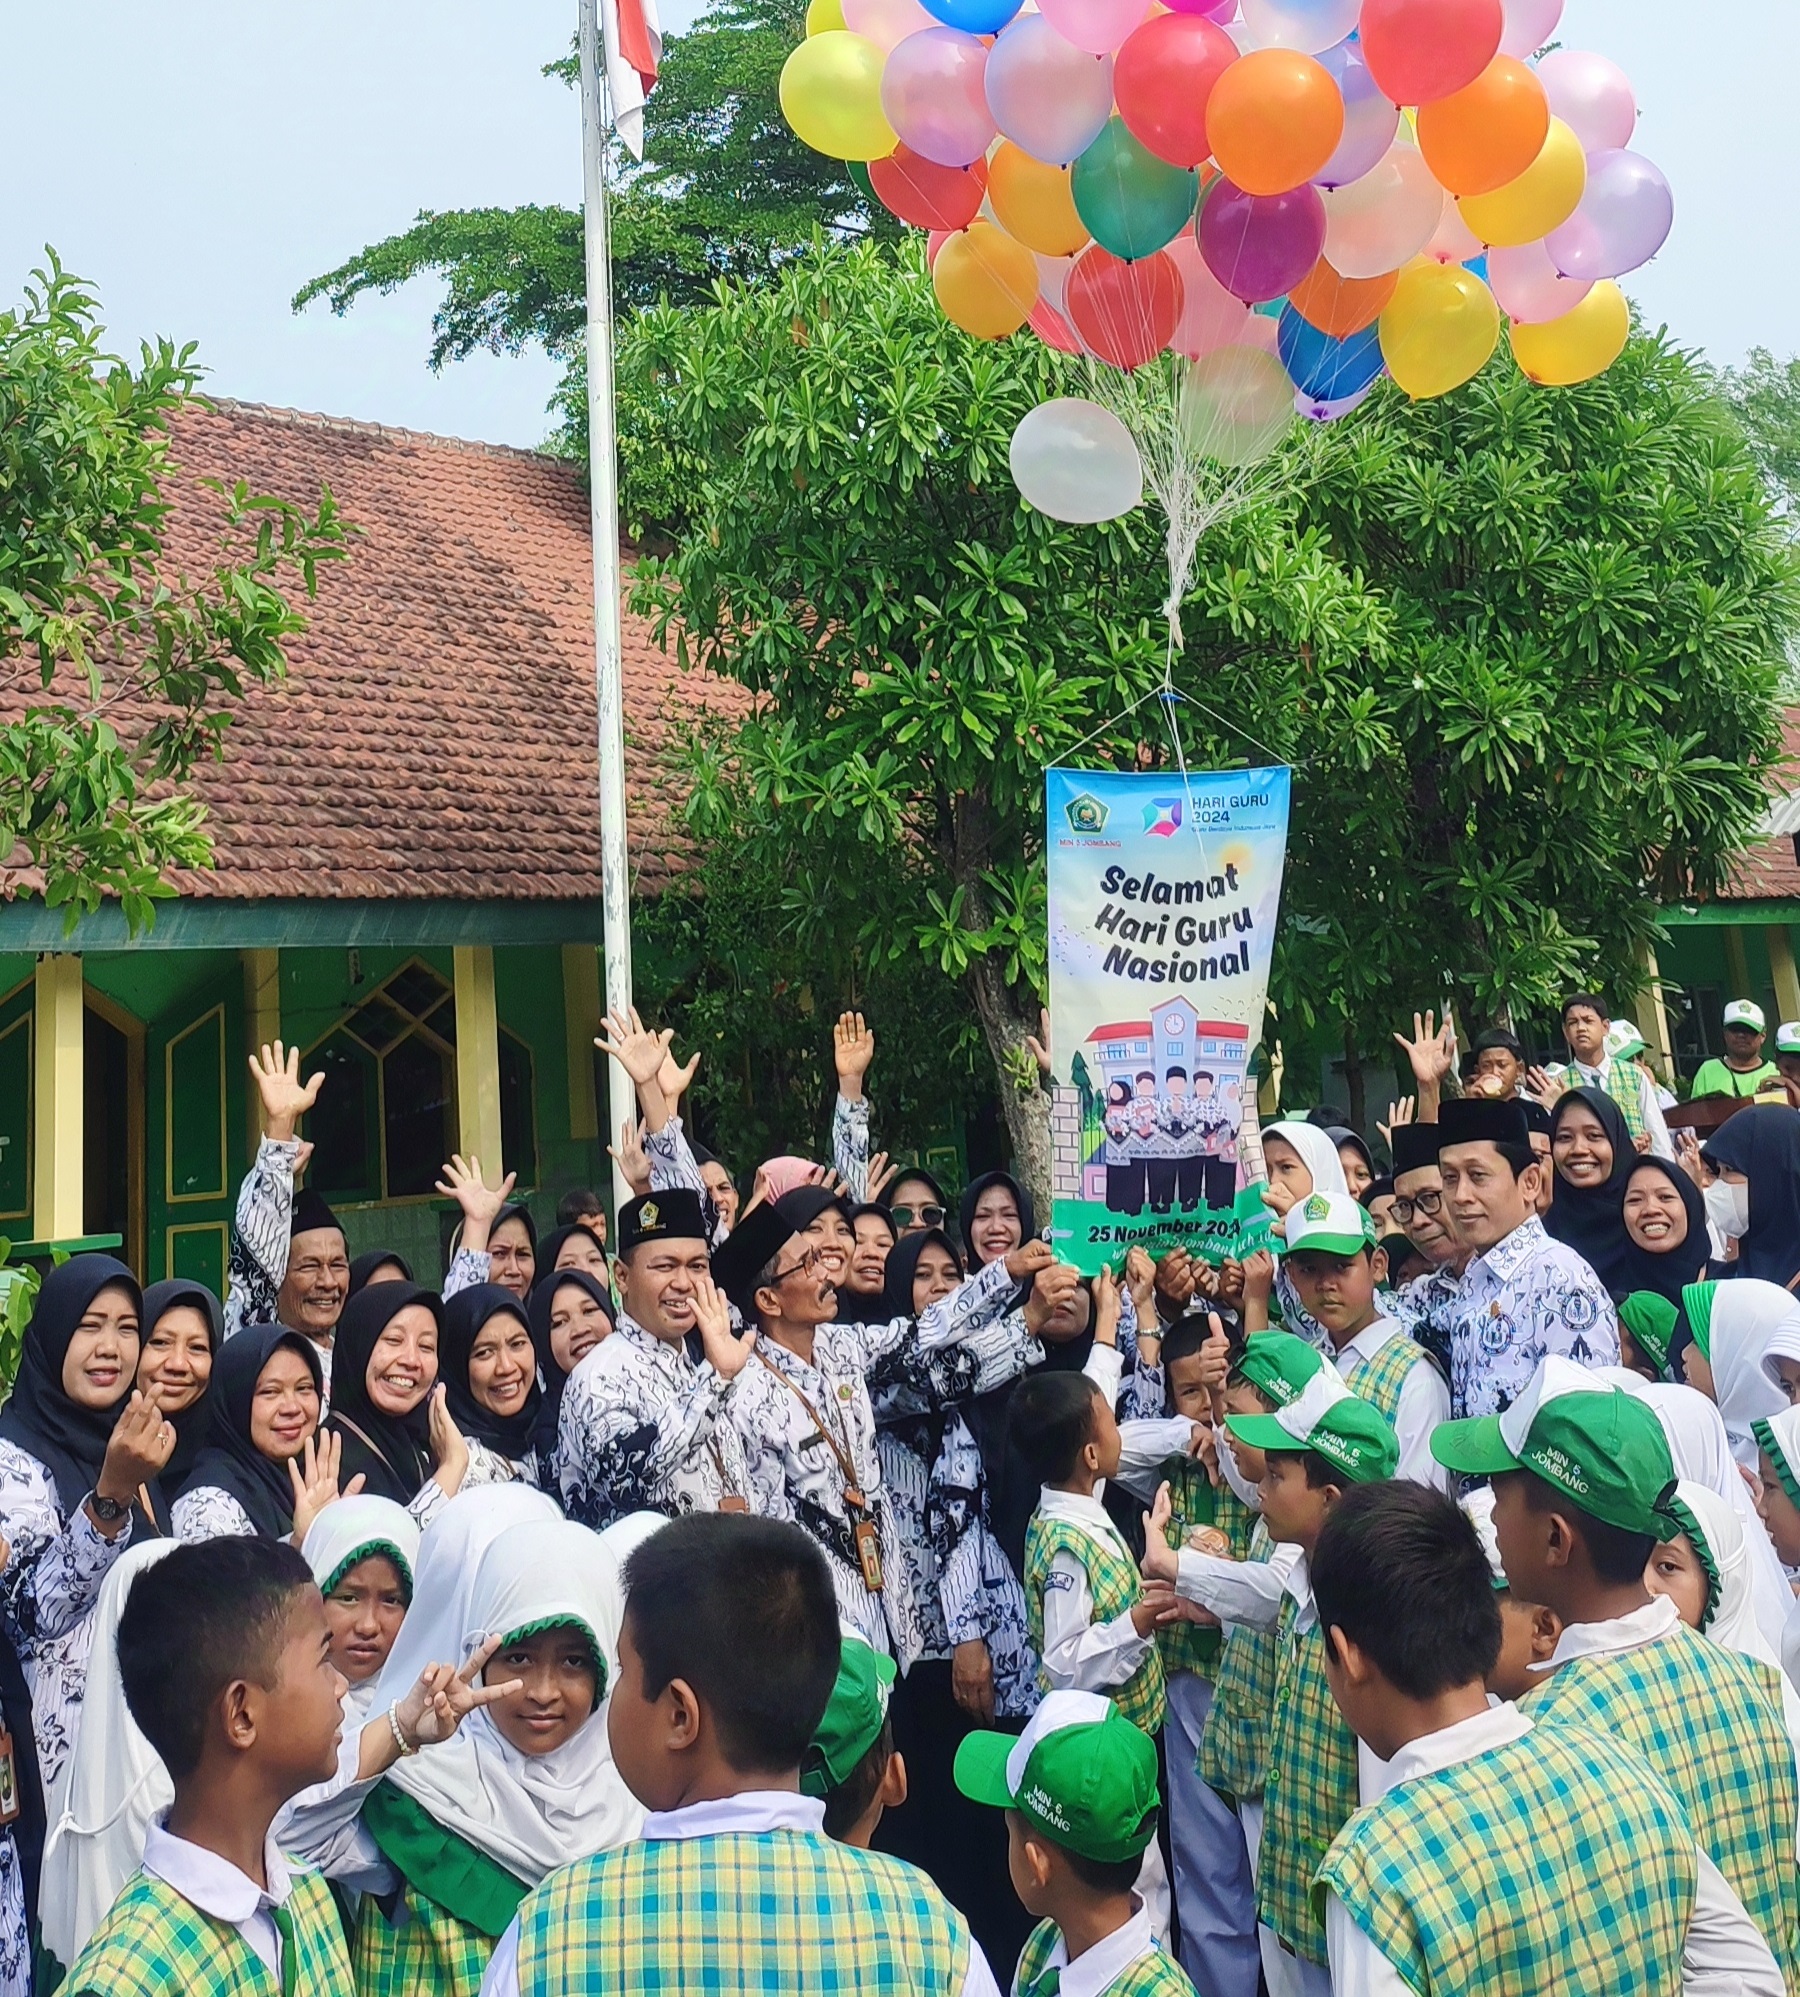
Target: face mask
1728,1208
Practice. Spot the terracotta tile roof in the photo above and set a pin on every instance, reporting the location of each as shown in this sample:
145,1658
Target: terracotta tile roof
436,737
1769,870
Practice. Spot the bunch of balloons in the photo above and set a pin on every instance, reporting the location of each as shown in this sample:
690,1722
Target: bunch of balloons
1291,197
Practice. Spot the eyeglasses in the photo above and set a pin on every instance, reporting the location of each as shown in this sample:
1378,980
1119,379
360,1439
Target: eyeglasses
1427,1203
925,1216
804,1267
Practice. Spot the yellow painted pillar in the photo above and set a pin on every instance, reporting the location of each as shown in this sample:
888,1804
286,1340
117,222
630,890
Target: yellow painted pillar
478,1060
581,1021
1781,968
57,1175
1737,965
1653,1019
262,1022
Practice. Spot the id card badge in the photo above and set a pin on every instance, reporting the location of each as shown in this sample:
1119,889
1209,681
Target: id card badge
866,1540
731,1503
9,1779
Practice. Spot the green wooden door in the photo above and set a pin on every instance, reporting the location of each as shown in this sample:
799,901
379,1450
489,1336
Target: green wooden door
196,1136
16,1025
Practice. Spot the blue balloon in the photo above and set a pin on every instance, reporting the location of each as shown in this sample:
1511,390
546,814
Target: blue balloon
974,17
1324,369
1479,265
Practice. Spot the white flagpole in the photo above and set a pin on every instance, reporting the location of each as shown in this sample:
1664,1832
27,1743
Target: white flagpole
603,467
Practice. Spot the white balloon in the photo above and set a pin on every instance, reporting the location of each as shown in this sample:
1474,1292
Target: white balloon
1310,26
1386,218
1076,461
1529,25
1236,404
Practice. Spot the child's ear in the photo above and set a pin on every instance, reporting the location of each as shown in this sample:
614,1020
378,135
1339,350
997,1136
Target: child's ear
681,1715
1559,1541
893,1782
235,1716
1039,1862
1546,1630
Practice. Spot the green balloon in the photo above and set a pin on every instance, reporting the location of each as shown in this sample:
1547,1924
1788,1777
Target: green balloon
1130,201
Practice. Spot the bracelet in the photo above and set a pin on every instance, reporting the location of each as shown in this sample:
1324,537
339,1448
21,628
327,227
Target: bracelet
405,1746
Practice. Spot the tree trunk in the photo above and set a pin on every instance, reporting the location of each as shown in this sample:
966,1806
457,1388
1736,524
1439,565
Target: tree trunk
1027,1111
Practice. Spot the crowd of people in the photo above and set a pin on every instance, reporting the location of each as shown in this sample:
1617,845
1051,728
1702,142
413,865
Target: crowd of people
803,1583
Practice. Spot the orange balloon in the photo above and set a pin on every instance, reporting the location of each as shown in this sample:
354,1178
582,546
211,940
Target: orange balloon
985,282
1034,203
1340,305
1273,119
1486,134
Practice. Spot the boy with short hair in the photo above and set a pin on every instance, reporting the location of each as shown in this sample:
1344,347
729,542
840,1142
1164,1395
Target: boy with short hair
1079,1790
225,1661
852,1765
1528,1630
1439,1885
727,1659
1580,1471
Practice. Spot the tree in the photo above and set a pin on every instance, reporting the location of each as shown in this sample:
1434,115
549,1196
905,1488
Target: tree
118,673
725,190
1764,394
1521,648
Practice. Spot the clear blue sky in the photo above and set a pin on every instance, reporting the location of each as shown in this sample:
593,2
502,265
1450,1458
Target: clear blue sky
200,160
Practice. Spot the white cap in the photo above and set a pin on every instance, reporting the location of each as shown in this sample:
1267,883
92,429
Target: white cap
1787,1037
1623,1038
1743,1012
1055,1711
1333,1222
1301,1415
1478,1508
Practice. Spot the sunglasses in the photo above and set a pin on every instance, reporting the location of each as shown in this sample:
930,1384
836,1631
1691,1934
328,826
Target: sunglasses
1427,1203
925,1216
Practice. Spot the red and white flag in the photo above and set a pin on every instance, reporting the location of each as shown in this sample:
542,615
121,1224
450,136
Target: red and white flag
632,34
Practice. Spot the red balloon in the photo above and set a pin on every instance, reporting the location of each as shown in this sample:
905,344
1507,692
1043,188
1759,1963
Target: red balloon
1421,50
1052,328
1162,76
1123,312
927,195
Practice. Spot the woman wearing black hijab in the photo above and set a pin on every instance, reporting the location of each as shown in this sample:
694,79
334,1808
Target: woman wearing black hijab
183,1326
379,1265
576,1246
387,1408
862,1290
268,1388
487,1359
77,1441
571,1311
1756,1198
1592,1156
1665,1230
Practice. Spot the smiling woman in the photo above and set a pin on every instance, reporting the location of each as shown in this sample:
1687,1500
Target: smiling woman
267,1393
383,1408
489,1366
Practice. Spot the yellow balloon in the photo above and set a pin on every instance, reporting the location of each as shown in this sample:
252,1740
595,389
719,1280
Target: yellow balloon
1579,345
1439,328
985,282
1034,203
823,15
831,95
1543,197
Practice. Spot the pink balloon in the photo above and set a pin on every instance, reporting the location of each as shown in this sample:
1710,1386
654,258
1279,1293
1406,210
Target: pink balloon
1529,25
1053,279
1095,26
1053,329
1210,317
1529,286
932,93
1384,219
1624,219
1260,246
1592,96
1214,10
1370,121
1454,241
1043,92
886,23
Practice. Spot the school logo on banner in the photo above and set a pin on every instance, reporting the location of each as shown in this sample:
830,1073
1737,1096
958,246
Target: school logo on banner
1164,895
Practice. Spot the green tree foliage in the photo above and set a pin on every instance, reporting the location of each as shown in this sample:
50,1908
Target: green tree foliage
118,673
1521,648
1765,396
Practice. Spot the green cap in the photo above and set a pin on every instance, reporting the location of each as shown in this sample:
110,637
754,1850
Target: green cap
1348,1433
1594,1443
853,1716
1080,1772
1651,1319
1278,1365
1332,1223
1697,1301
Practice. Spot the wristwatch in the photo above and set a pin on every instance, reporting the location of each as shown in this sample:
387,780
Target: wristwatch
109,1511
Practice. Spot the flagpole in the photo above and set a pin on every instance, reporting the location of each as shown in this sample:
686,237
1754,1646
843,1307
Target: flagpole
603,479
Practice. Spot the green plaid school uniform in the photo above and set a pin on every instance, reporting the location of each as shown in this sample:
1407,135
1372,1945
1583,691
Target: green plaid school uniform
1152,1975
740,1912
1709,1723
1557,1862
1624,1081
1113,1581
1310,1792
1194,1502
156,1944
430,1953
1380,1379
1234,1744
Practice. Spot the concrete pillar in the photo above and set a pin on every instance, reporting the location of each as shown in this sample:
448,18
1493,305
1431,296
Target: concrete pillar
57,1140
1653,1020
1783,975
1737,965
478,1061
581,1022
262,1023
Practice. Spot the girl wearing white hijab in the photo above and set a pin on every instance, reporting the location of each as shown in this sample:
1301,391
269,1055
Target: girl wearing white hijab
1734,1325
1301,1159
527,1785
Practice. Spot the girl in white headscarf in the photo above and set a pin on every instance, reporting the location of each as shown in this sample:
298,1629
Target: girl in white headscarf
527,1785
1734,1325
1301,1160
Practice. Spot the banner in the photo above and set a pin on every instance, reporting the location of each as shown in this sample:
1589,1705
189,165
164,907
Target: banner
1163,898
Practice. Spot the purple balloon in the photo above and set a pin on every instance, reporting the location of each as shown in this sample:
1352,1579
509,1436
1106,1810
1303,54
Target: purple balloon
1624,219
1316,411
1370,121
1259,246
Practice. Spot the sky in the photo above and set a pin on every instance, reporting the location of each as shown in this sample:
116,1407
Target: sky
199,160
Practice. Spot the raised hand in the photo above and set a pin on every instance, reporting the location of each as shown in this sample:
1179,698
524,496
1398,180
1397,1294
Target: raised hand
444,1697
142,1441
1052,1288
1399,1113
481,1203
1177,1278
630,1156
285,1098
1140,1280
1159,1561
880,1174
1106,1308
674,1080
729,1354
1037,1045
449,1446
1029,1258
852,1049
314,1474
637,1048
1431,1051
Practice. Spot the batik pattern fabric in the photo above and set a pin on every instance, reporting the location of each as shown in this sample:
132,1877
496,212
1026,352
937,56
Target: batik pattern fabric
1154,1974
1423,1308
261,1229
985,1600
47,1594
425,1952
1309,1792
673,1165
1709,1723
209,1513
15,1931
467,1269
1234,1743
1116,1588
1295,1317
740,1912
645,1429
1554,1863
486,1466
1526,1298
156,1944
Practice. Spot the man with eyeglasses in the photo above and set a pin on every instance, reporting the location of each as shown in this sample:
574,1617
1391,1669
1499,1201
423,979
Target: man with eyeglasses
1422,1304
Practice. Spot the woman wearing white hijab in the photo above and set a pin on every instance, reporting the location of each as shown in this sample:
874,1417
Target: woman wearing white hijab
1301,1159
1734,1325
527,1785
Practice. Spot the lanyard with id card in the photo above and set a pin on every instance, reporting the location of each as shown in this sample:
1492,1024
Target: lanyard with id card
863,1535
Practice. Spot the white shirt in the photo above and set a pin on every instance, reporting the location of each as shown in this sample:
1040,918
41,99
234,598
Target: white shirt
1424,1400
1244,1593
1723,1955
1081,1655
751,1814
217,1887
1580,1076
1097,1969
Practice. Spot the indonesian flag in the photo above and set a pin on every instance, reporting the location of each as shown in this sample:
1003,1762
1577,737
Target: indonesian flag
632,35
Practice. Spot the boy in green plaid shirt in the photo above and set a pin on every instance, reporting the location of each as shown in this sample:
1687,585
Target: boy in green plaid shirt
1581,1473
1505,1859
